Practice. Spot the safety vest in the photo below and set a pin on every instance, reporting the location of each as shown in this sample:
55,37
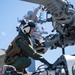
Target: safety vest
12,52
13,49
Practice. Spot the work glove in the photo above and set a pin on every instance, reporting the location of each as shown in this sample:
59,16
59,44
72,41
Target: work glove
46,63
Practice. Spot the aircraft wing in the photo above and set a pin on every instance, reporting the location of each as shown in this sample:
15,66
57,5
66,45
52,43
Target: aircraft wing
42,2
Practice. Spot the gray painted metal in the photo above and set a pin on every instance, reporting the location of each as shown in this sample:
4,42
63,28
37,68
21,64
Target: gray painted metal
43,2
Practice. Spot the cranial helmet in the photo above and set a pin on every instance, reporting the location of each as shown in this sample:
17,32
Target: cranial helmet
18,27
26,28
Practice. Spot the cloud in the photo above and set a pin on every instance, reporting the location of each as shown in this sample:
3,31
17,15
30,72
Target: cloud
3,33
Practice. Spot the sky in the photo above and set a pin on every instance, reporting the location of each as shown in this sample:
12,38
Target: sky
10,10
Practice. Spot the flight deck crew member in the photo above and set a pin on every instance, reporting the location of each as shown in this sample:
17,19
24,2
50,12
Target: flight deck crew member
20,51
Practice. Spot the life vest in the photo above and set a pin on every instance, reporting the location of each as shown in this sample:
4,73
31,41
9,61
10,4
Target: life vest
13,49
12,52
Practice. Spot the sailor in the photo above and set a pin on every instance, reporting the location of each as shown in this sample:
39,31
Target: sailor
20,51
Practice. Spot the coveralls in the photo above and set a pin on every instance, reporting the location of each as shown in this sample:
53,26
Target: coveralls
27,51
